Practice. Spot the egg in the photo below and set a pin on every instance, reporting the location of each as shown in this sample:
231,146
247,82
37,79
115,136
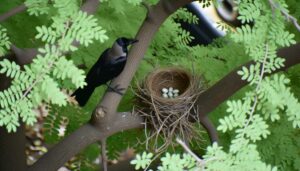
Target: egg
164,90
176,91
171,89
165,95
170,94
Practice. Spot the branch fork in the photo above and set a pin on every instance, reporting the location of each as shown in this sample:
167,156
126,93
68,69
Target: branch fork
96,131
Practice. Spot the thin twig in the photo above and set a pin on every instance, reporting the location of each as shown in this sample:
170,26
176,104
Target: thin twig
275,5
261,76
189,151
103,154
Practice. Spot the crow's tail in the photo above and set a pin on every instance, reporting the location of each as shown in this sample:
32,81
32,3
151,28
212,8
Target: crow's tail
82,95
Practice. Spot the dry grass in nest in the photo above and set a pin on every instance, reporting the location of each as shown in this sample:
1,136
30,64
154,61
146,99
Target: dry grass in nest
169,117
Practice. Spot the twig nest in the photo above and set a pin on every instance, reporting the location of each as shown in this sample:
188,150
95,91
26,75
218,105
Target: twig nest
166,99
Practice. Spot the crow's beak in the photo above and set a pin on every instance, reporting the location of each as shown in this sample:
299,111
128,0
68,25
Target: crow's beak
132,41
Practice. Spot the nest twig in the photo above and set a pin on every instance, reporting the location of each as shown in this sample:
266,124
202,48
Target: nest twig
169,117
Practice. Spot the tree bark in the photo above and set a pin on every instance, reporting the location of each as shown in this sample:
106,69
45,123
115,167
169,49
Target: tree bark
102,126
155,17
82,137
12,149
232,82
13,12
12,145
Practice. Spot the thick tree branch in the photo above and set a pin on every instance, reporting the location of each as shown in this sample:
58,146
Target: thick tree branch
12,146
104,118
208,101
64,150
210,128
13,12
225,88
155,17
112,122
232,82
12,149
82,137
90,6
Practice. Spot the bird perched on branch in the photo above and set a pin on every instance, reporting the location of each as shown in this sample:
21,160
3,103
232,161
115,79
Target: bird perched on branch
109,65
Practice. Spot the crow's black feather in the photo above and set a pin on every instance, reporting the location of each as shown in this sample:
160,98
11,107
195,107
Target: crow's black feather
105,69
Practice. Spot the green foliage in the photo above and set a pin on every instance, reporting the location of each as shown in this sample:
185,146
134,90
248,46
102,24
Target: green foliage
184,15
73,73
69,117
37,7
249,116
261,35
37,83
4,41
142,161
177,162
134,2
269,95
170,162
281,148
121,141
83,29
247,158
249,11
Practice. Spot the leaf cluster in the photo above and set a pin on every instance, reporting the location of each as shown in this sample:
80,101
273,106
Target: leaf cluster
38,82
4,41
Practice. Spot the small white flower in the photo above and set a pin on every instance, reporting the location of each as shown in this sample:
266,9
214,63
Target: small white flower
61,130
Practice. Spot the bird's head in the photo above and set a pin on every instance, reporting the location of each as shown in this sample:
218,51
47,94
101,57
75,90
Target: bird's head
125,42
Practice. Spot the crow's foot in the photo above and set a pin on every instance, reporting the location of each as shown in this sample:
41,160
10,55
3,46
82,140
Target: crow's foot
116,89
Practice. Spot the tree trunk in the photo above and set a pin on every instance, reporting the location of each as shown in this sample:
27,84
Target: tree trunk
12,145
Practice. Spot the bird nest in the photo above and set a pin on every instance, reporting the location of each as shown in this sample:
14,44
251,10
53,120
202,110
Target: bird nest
169,117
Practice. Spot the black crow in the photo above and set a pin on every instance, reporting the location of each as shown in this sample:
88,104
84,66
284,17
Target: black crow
109,65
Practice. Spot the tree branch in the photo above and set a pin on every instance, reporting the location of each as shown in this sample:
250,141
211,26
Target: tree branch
207,101
210,128
13,12
112,122
103,154
155,17
231,83
82,137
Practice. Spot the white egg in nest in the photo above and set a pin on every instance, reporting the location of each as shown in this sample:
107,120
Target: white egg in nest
169,92
165,95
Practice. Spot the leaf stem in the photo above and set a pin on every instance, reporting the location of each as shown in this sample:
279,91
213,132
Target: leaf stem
285,13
